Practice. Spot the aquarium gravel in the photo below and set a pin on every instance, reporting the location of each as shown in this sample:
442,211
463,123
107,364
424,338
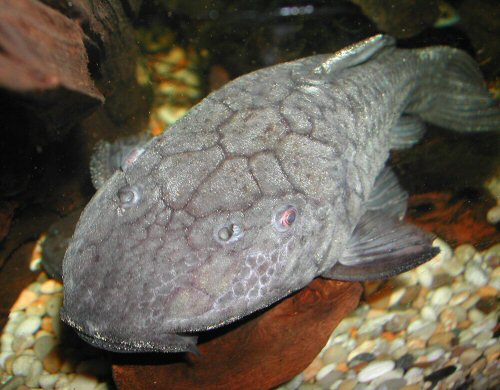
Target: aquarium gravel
432,327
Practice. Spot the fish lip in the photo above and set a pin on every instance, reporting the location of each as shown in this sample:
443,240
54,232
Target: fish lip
187,342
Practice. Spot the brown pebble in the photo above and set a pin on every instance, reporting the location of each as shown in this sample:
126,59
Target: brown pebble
24,300
47,324
414,343
478,366
348,384
440,280
416,386
53,362
469,356
313,368
487,304
443,339
464,324
358,367
487,291
492,353
410,295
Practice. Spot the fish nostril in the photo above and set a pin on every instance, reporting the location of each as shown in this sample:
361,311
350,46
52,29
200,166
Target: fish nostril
129,196
228,233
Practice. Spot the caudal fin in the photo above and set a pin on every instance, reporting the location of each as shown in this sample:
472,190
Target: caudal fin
453,94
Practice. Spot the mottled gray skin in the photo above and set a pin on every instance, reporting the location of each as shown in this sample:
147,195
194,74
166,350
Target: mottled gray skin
140,271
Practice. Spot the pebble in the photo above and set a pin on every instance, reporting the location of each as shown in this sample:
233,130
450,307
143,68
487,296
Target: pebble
22,342
14,384
48,381
405,361
459,298
375,369
83,382
348,384
6,342
493,215
335,354
54,305
469,356
22,364
441,296
330,378
429,313
392,384
476,276
464,253
24,300
443,339
43,345
51,286
52,362
28,326
414,375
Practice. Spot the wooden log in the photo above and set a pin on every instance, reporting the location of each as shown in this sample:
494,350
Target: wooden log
43,63
259,353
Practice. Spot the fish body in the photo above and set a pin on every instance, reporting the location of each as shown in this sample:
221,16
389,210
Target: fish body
269,182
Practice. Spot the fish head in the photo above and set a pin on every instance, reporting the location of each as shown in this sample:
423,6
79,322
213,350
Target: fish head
184,240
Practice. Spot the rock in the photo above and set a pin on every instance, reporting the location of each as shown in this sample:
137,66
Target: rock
414,375
476,276
493,215
312,369
28,326
43,345
32,380
469,356
52,362
51,286
441,296
83,382
6,342
25,299
14,384
375,369
464,253
22,342
348,384
405,361
443,339
22,365
459,298
54,305
336,353
48,381
329,379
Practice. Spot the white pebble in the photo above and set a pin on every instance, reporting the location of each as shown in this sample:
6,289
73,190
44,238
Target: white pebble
3,357
493,215
441,296
51,286
28,326
495,283
83,382
476,276
375,369
443,256
6,342
48,381
424,276
464,253
324,371
428,313
414,375
22,364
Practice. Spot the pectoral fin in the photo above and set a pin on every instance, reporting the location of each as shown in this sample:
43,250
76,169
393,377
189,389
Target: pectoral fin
382,246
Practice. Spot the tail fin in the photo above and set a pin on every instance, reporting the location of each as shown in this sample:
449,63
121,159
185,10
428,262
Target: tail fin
453,94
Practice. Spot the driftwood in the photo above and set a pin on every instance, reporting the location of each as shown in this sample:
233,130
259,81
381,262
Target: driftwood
257,354
43,63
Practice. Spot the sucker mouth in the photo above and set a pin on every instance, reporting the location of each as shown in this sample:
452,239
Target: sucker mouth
171,342
182,344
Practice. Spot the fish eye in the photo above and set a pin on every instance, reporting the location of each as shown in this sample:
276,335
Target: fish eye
129,196
285,217
228,233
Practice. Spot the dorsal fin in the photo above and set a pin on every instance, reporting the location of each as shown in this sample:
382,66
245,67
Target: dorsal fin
354,54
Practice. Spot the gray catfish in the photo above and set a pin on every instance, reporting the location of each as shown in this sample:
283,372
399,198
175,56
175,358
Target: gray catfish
275,179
